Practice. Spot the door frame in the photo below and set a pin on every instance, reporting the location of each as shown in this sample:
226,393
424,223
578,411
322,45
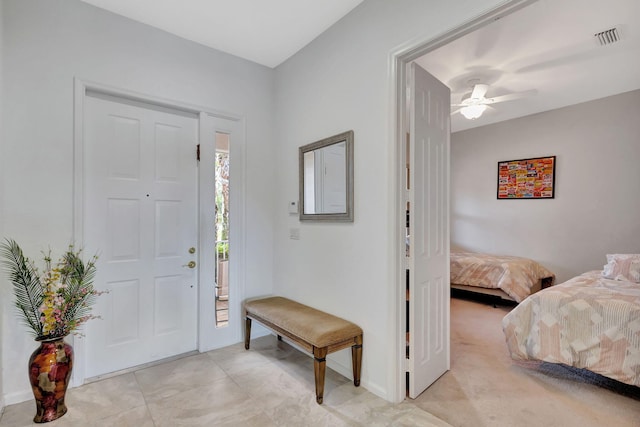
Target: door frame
204,114
399,61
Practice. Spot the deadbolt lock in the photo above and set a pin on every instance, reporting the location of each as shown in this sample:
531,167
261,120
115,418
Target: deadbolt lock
192,250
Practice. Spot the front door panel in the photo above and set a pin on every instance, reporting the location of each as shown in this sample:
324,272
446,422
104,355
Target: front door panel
141,217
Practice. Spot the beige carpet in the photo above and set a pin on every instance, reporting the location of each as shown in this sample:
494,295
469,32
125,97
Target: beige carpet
486,388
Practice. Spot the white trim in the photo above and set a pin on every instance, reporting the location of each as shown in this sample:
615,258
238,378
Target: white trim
206,241
399,58
210,337
17,397
88,85
81,87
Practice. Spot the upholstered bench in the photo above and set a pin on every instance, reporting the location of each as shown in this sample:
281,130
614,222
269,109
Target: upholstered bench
318,332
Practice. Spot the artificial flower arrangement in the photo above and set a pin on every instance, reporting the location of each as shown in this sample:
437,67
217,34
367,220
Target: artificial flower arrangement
57,301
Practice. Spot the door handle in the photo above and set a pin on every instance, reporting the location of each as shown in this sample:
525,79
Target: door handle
191,264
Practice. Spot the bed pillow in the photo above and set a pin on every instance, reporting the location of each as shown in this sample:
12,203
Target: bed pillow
622,267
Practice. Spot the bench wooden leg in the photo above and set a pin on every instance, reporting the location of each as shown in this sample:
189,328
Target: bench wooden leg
247,333
319,366
356,360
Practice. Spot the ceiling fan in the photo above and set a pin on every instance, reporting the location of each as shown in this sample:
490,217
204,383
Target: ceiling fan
474,104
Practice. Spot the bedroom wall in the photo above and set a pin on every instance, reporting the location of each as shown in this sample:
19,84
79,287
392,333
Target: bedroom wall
338,82
47,43
596,205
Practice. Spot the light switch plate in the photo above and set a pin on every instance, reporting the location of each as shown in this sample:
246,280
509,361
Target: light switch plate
293,207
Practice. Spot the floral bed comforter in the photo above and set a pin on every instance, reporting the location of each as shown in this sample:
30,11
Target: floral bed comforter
587,322
514,275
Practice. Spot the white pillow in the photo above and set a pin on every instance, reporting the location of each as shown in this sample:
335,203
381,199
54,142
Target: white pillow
622,267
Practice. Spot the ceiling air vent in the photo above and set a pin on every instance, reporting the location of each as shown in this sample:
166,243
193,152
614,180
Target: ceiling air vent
607,37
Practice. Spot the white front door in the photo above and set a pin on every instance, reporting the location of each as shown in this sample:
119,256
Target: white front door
428,199
140,216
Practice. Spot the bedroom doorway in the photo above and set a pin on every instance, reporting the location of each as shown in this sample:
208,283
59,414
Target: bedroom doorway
424,309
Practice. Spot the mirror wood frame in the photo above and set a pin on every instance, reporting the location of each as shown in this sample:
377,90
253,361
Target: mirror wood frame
347,216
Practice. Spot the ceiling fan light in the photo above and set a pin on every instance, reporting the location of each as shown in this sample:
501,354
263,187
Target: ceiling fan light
472,112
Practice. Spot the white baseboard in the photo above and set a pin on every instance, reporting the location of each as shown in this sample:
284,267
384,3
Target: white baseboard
347,372
257,330
17,397
344,370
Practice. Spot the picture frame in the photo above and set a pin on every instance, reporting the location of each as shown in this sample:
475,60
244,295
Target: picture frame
532,178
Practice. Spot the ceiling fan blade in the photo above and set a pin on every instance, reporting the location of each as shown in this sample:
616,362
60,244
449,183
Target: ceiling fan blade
479,91
459,110
511,96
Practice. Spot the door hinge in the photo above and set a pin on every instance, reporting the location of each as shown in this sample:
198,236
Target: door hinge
198,152
407,365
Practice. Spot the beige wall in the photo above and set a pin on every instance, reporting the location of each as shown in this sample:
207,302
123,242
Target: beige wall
597,202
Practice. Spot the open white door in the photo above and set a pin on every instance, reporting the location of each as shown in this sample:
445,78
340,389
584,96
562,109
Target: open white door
428,257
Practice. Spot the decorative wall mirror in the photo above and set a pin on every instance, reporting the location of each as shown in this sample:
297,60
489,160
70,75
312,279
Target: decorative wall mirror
326,179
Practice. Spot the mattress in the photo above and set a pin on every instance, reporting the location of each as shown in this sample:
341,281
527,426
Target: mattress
517,277
588,322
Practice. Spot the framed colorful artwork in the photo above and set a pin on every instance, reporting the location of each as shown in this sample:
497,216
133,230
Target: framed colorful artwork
527,178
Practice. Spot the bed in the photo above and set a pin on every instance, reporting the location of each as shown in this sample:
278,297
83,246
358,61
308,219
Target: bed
508,277
588,322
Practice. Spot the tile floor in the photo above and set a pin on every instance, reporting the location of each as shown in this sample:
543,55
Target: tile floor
270,385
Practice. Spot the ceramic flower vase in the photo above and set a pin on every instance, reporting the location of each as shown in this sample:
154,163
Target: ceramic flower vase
49,373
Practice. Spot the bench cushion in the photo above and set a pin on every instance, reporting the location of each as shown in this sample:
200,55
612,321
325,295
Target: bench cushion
316,327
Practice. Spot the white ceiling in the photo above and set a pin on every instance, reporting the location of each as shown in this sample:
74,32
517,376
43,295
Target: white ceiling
548,46
264,31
